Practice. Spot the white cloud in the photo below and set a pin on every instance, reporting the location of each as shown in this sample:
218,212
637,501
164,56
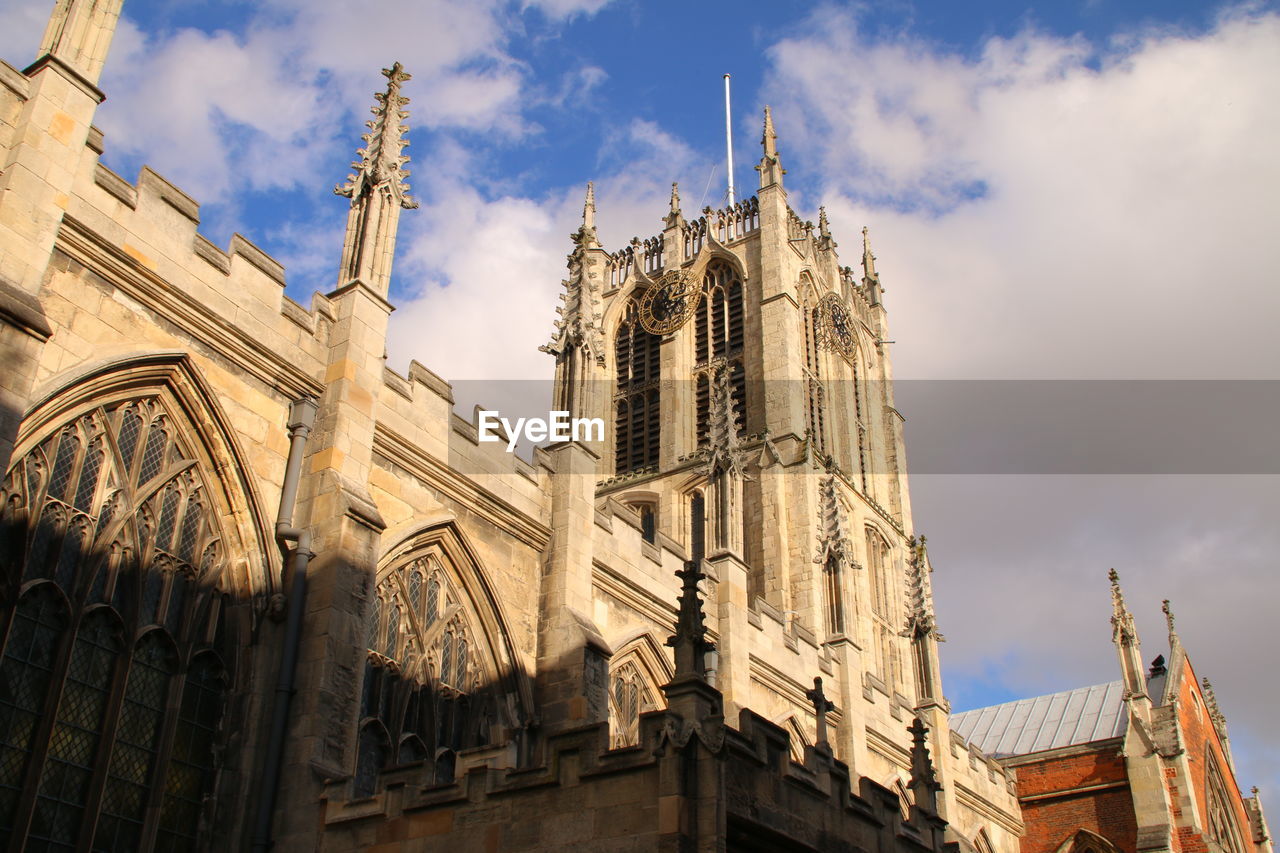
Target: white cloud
1099,213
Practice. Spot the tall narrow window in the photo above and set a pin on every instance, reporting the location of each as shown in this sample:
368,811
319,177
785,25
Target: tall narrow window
835,595
637,422
882,594
815,391
25,673
718,343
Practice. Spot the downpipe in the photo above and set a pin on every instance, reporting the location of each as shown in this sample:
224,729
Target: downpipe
302,417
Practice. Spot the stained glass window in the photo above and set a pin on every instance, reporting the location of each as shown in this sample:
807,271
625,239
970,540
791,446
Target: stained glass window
25,672
73,745
136,744
191,766
104,721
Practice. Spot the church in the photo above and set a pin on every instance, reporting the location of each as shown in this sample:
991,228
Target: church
260,591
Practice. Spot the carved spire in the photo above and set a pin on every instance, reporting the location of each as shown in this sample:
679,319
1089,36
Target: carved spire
690,639
79,34
1124,633
924,782
770,167
377,190
722,428
1174,641
589,209
833,535
1122,627
1211,704
870,278
674,217
825,240
921,621
580,324
821,706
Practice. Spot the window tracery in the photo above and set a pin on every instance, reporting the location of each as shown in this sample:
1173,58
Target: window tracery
112,556
884,642
629,696
1221,824
424,696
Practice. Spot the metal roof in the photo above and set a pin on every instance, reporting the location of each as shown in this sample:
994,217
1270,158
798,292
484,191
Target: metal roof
1045,722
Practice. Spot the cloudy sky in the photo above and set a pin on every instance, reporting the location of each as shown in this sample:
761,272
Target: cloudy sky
1068,191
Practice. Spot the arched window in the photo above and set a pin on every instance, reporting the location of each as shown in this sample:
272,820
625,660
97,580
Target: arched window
835,594
637,422
718,343
884,642
629,695
115,551
423,691
1222,827
815,389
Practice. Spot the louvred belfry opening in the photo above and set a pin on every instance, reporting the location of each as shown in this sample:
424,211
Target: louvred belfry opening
637,423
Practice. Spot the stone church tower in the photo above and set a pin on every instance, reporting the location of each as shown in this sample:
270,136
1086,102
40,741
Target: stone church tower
258,590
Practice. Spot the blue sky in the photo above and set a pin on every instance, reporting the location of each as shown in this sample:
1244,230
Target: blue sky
1079,190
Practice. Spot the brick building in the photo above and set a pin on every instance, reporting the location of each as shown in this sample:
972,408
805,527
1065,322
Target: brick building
1142,763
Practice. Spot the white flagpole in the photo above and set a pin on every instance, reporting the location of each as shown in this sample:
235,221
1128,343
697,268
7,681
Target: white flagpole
728,137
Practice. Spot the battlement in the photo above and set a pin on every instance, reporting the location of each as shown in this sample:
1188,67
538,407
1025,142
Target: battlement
581,794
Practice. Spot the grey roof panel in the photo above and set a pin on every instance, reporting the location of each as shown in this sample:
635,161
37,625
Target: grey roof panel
1045,722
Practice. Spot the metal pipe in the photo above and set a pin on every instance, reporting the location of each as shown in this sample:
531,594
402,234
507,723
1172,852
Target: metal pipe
728,137
302,416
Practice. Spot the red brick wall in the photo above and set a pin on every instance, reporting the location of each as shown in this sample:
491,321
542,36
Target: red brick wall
1051,820
1201,739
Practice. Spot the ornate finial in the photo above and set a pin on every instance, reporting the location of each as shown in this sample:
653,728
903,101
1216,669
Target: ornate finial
674,217
921,620
722,427
1216,716
924,782
824,231
770,167
581,323
377,190
821,705
690,639
1168,618
1122,627
870,278
833,536
589,208
381,162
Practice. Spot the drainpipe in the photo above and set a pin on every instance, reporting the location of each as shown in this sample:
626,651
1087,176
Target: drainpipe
302,416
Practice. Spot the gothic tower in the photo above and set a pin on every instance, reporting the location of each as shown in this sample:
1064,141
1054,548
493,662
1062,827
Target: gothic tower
742,372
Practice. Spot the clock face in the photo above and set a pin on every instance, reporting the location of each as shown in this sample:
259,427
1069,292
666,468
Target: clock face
837,325
670,303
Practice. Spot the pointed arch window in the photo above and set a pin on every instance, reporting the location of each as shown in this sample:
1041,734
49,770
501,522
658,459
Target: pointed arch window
815,388
1222,828
629,696
423,696
718,343
117,557
884,637
637,415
